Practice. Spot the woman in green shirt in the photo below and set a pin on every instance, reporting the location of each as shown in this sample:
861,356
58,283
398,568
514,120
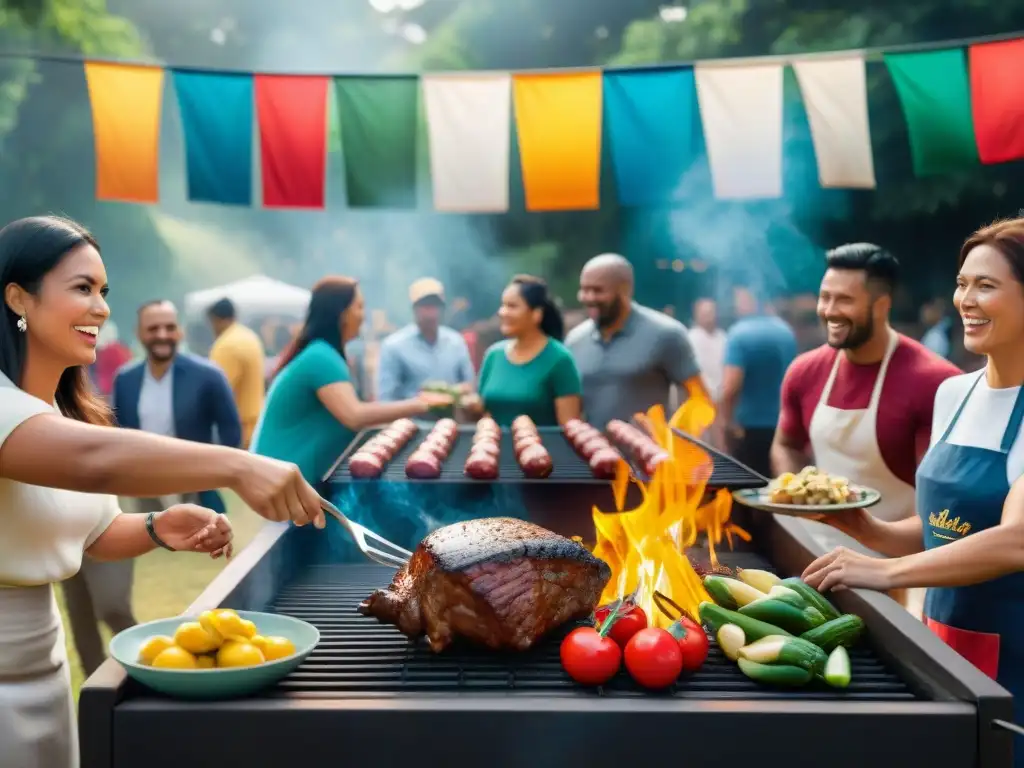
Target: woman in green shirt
530,373
312,411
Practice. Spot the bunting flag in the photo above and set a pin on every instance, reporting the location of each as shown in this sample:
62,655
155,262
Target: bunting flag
469,137
936,102
652,132
997,99
835,95
126,102
741,110
378,139
292,115
558,119
216,119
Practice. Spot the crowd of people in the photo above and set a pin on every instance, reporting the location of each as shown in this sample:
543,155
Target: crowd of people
869,403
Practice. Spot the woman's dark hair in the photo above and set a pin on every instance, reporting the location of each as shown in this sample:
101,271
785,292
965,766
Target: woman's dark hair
331,298
29,250
1007,237
535,293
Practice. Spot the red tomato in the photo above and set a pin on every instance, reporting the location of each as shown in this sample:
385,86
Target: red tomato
693,642
588,657
631,621
653,658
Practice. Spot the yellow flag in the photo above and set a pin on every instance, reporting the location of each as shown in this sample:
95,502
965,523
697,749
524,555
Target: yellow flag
126,101
558,118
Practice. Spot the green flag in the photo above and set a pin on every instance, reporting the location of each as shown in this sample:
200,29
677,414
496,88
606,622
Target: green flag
378,119
936,98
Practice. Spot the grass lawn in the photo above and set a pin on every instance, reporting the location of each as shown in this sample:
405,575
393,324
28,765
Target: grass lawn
167,582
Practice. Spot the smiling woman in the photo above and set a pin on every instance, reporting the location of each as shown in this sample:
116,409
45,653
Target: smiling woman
966,543
61,465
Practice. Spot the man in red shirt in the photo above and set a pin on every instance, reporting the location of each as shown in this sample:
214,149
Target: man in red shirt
860,406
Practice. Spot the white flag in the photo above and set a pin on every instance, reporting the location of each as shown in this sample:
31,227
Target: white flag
469,130
836,98
741,111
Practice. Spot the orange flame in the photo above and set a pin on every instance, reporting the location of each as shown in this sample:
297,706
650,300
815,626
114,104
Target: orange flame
645,546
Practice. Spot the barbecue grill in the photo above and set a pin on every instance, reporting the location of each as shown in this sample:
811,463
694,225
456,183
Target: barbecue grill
401,509
368,696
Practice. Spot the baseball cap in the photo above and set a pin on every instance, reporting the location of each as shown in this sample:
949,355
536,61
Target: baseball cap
426,288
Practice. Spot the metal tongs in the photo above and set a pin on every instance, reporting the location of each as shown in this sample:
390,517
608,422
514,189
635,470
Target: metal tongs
362,536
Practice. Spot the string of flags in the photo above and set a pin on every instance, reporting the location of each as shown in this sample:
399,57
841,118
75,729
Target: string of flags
962,106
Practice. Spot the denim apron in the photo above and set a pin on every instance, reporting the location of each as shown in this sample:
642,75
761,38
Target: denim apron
960,491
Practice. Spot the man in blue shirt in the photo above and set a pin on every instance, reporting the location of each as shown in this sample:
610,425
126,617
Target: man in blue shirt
423,351
758,349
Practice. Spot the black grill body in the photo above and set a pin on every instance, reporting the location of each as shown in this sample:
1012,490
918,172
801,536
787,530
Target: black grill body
368,696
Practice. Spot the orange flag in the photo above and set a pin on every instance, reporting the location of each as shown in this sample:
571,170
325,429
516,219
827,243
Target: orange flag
126,101
558,118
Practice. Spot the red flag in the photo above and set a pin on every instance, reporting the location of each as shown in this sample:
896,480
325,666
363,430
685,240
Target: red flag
292,114
997,99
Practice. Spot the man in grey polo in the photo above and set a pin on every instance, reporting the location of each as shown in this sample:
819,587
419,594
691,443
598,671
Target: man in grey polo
629,356
424,350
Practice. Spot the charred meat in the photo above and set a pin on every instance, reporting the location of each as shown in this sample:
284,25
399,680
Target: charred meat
499,582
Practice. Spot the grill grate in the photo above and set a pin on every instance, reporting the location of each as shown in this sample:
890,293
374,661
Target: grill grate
359,656
568,466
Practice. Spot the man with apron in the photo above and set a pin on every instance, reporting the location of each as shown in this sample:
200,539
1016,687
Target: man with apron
860,406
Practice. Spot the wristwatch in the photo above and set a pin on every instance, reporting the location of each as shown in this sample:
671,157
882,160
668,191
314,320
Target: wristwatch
151,530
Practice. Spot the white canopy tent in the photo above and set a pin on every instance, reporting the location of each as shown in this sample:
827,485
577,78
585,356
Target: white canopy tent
253,296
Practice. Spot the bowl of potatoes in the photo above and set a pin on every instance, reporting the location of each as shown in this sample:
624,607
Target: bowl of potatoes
221,653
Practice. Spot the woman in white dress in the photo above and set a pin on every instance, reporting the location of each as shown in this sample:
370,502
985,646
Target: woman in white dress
61,467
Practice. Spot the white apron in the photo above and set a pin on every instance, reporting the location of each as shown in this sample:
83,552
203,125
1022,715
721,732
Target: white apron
845,443
38,727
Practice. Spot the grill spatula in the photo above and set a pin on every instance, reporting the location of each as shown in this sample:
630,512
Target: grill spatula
363,537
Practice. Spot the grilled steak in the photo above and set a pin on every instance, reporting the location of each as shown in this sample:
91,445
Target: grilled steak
498,581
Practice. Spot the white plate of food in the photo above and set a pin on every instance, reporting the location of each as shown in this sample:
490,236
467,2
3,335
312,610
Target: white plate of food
810,491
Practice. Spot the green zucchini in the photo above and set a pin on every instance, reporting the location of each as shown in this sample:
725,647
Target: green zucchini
844,631
776,674
731,639
837,668
716,617
787,595
813,597
730,593
789,651
781,614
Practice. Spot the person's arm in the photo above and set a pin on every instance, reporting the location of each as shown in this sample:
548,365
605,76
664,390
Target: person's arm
341,400
789,451
464,368
903,537
225,410
979,557
567,388
184,527
389,373
325,372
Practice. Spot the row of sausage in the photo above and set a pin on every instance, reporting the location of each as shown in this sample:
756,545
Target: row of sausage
483,461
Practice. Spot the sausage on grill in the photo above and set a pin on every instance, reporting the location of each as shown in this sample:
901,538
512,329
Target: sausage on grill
604,462
535,461
423,465
482,465
364,464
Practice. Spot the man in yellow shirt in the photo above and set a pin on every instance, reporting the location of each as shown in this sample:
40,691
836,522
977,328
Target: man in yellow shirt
239,353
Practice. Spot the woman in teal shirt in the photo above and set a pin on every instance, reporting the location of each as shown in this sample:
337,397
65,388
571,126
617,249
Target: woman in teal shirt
312,411
531,373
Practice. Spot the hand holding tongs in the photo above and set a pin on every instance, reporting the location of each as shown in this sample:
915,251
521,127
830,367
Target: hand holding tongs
394,559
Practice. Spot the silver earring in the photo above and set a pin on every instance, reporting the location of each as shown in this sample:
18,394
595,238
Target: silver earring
22,324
